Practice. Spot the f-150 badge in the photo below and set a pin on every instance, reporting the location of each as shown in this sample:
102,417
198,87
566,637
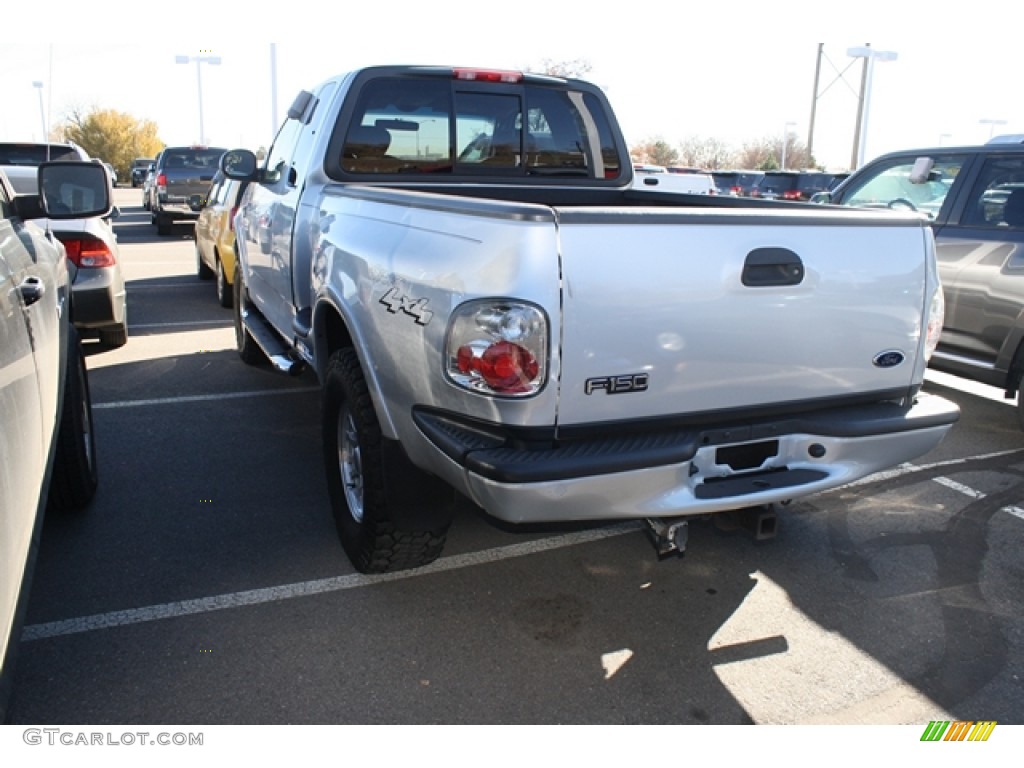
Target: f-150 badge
616,385
415,308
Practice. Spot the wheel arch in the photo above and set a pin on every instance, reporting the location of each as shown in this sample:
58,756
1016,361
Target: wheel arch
333,329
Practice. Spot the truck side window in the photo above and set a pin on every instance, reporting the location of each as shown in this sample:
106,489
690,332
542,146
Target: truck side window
280,156
997,199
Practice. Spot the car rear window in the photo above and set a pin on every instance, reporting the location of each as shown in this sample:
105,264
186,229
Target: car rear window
34,154
193,159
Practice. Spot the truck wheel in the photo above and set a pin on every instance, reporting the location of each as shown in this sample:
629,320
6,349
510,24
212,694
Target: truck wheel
203,272
224,292
246,345
163,225
378,533
75,475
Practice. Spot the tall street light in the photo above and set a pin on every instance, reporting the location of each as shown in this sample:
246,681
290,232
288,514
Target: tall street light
199,60
870,56
991,124
38,85
785,143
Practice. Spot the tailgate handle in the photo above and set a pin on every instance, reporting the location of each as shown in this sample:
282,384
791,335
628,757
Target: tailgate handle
766,267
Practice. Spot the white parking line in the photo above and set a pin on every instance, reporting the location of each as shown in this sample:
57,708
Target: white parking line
317,587
200,398
906,469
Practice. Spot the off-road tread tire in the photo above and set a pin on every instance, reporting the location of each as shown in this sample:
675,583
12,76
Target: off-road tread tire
75,475
377,544
246,345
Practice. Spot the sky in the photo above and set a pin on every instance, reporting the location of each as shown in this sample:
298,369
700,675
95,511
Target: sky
735,70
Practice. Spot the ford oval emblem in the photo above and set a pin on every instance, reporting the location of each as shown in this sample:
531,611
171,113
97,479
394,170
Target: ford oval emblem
888,359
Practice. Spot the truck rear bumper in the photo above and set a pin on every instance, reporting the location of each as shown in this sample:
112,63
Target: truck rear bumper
685,472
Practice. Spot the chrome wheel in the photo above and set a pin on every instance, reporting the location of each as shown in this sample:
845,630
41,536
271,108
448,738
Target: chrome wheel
350,462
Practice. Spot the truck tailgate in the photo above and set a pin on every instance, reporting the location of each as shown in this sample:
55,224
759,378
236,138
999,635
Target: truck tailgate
729,310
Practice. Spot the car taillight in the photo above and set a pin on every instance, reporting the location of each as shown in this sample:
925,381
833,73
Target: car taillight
161,180
791,194
497,347
735,191
87,252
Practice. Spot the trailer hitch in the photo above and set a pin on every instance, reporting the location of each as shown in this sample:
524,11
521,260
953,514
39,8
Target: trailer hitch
669,536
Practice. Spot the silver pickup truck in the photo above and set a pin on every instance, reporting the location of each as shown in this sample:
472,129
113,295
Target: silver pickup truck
490,307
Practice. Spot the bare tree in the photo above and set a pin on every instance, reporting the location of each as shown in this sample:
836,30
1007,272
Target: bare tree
705,152
567,68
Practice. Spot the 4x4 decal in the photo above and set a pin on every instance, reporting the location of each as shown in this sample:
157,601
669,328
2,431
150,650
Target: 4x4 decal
415,308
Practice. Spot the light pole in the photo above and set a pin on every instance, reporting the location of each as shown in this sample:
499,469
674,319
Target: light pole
38,85
199,60
785,143
870,55
991,124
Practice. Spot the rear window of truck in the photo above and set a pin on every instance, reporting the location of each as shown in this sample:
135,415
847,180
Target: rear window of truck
404,125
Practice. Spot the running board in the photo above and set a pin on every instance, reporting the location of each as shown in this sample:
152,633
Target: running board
277,353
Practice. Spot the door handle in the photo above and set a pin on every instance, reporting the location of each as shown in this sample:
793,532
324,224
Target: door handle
768,267
32,290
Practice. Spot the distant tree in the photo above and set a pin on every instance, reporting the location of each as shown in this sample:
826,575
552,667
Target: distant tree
766,155
708,153
116,137
655,151
571,68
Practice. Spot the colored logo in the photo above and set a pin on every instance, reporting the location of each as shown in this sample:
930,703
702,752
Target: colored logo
958,730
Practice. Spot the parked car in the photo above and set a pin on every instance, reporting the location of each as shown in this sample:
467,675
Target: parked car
215,234
736,183
179,173
112,171
97,280
140,167
46,435
147,184
791,185
974,199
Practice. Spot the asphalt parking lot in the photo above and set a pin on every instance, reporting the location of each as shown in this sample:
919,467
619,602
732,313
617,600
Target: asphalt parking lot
205,584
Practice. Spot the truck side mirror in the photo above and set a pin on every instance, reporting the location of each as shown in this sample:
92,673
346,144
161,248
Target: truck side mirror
239,164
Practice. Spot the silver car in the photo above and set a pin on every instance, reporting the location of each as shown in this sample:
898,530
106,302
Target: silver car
98,286
46,436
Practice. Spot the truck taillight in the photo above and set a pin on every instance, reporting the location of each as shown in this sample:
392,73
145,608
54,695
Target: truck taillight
487,75
161,180
497,347
87,252
936,317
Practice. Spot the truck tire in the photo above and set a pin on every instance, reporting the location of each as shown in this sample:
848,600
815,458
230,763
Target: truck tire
75,477
203,272
246,345
163,225
378,532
